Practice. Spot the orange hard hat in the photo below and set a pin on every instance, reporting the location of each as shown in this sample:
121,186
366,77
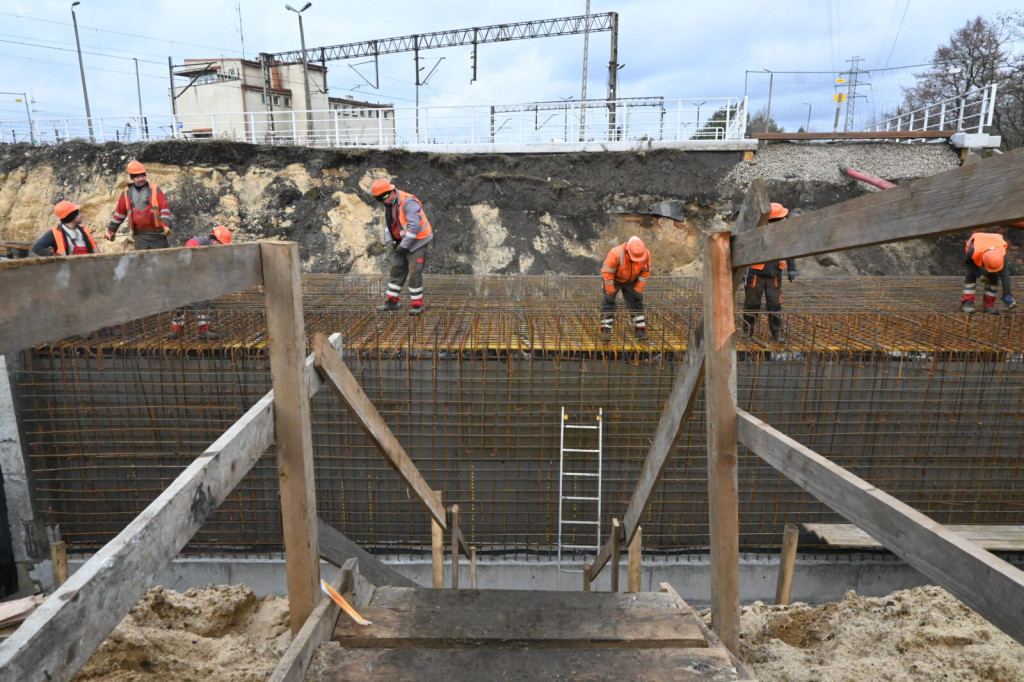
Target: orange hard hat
64,208
992,259
221,234
635,248
135,168
778,211
380,186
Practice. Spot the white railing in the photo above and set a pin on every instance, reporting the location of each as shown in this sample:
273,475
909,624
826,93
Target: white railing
971,112
625,121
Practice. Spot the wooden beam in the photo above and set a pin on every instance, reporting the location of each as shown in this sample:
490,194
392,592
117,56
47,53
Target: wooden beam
287,336
337,548
455,546
972,197
986,583
437,553
62,634
337,375
1004,538
890,135
80,294
59,561
635,558
720,405
315,631
787,562
755,209
616,541
586,576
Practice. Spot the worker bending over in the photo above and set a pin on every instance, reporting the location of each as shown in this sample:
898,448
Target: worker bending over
985,259
410,235
764,279
626,268
218,235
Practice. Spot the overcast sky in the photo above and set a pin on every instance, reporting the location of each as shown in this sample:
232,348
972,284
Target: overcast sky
671,49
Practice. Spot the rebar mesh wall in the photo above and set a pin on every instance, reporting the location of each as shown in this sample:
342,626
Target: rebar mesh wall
927,406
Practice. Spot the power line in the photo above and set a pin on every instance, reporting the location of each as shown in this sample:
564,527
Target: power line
68,49
897,33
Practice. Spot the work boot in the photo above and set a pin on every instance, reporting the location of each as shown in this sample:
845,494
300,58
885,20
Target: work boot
991,309
208,335
606,334
967,307
388,306
416,311
641,334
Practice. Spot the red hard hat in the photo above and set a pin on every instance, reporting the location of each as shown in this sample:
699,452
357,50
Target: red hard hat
778,211
64,209
135,168
221,234
380,186
635,248
992,259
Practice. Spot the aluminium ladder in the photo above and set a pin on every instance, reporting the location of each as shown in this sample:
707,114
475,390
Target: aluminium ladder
570,482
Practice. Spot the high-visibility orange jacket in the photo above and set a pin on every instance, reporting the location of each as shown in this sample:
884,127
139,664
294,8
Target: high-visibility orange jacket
407,223
152,218
57,240
620,268
980,242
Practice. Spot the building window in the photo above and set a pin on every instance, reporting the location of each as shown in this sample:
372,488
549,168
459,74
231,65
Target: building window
277,100
233,72
287,101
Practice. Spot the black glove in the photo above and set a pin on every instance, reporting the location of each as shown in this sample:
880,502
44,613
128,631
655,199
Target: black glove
791,274
401,249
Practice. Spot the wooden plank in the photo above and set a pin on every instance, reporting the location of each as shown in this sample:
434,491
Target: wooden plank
635,557
587,576
337,548
78,295
971,197
59,560
287,337
860,135
787,562
755,209
616,541
63,633
720,406
437,553
1007,538
315,631
337,375
455,546
500,665
472,568
540,601
987,584
17,610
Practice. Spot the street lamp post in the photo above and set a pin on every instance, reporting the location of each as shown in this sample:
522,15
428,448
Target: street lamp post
81,68
305,66
28,113
807,128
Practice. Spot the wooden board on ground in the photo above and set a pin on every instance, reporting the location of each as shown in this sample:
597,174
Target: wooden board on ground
337,548
452,665
404,617
1008,538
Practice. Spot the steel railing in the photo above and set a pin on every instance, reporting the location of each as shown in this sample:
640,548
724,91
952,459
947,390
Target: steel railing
970,112
536,123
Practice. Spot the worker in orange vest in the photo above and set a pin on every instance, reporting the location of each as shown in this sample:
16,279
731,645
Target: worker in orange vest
765,279
218,235
69,237
145,207
410,235
626,268
985,259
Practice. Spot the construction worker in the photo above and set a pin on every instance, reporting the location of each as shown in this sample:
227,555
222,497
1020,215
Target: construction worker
145,207
410,235
69,237
218,235
765,279
627,268
985,259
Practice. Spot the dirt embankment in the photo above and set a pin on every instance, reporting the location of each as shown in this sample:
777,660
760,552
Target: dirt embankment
494,214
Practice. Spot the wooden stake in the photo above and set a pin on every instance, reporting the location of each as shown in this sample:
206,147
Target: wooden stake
787,561
437,552
586,577
616,553
59,558
455,546
472,567
635,548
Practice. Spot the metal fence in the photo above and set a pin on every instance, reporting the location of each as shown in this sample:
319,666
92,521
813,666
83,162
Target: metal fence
924,404
970,113
535,123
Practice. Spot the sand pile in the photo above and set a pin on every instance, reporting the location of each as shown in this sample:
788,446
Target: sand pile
919,634
219,632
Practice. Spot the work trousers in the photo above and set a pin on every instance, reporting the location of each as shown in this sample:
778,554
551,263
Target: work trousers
144,241
634,303
768,287
408,265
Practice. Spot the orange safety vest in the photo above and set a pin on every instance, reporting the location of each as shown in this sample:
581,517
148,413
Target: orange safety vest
60,238
619,267
403,220
760,266
154,207
982,242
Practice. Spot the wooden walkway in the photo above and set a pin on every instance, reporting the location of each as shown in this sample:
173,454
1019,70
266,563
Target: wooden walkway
453,635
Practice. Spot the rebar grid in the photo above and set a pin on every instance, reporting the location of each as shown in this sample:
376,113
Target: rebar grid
878,375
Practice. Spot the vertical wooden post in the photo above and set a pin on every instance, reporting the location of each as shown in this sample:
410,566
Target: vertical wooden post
455,546
787,561
586,577
720,403
472,567
287,336
437,552
635,550
59,559
616,553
